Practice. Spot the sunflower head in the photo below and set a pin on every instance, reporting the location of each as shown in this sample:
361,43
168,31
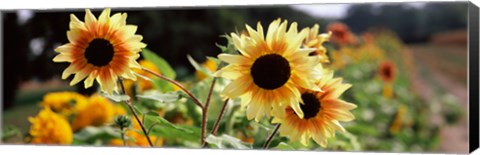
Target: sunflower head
103,49
341,34
64,103
322,111
98,111
50,128
387,71
315,40
268,68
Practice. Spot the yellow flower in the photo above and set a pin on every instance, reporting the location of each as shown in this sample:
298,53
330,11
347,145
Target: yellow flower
142,83
341,58
387,90
268,70
315,40
397,122
64,103
322,112
97,112
103,49
210,65
50,128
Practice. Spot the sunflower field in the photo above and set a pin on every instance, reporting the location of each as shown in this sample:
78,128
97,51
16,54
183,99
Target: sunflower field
274,85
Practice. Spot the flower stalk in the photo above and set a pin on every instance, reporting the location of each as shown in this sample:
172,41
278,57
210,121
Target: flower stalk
130,106
270,138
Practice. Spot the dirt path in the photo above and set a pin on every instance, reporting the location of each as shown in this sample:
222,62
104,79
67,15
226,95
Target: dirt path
454,137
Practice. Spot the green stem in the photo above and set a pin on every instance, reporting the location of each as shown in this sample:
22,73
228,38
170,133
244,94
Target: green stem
195,100
205,113
130,106
270,138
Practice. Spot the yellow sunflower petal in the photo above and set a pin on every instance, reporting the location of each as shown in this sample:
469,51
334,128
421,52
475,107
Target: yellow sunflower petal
90,20
233,59
62,58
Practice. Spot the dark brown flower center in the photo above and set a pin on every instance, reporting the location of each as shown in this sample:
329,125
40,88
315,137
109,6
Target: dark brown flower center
311,105
270,71
387,72
99,52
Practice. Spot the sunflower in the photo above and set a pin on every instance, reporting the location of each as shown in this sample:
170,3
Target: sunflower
64,102
322,112
341,34
103,49
97,112
268,70
315,40
210,65
387,71
50,128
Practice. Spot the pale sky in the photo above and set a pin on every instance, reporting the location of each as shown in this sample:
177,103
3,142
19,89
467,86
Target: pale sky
335,10
324,10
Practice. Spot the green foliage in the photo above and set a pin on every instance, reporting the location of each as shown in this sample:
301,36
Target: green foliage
10,131
164,68
159,97
161,63
116,97
226,141
198,67
93,134
163,128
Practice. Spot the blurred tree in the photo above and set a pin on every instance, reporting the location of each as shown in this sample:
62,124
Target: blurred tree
410,23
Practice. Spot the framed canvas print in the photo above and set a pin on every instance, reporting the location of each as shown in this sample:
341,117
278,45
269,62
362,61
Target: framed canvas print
392,77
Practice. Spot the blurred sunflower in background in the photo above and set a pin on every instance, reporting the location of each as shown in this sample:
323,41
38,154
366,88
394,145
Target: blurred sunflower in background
102,49
210,65
341,34
322,112
398,121
64,103
98,111
50,128
268,69
315,40
387,73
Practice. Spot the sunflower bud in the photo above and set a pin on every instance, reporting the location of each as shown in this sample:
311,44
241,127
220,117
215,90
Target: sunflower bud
123,121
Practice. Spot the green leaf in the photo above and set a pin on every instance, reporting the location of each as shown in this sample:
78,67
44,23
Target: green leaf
137,109
226,141
160,97
161,63
167,130
10,131
198,67
91,134
162,85
116,97
284,146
